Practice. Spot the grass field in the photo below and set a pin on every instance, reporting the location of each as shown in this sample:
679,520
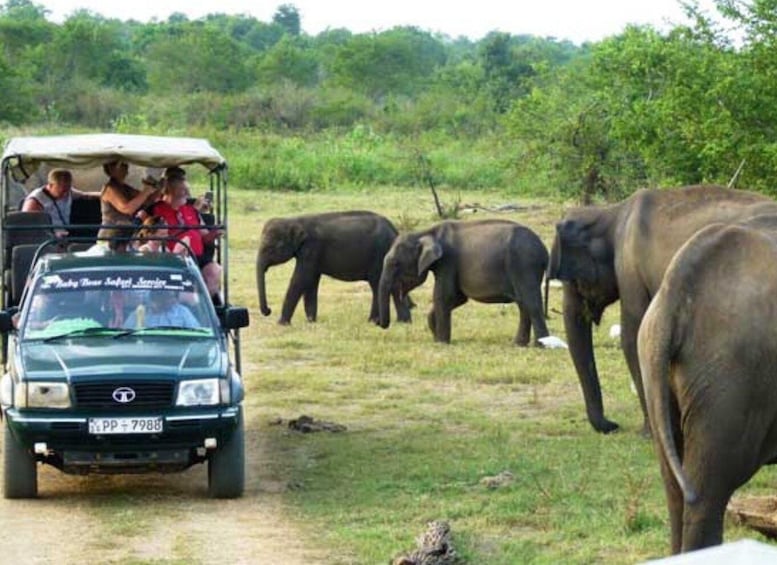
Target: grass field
426,422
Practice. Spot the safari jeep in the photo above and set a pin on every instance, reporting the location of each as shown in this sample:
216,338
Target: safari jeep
114,361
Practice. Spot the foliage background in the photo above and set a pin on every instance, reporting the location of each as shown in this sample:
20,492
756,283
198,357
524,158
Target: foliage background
405,106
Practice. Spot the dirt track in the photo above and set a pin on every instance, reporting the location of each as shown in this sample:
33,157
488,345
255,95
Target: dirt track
145,518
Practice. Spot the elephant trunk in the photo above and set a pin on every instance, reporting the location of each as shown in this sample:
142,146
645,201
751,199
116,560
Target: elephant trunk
554,266
384,292
261,270
577,323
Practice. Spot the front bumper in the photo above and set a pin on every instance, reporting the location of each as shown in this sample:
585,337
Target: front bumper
71,448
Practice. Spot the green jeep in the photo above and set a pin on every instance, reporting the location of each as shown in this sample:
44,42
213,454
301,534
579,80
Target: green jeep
115,361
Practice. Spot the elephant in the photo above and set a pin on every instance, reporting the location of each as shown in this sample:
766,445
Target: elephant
345,245
492,261
707,355
605,253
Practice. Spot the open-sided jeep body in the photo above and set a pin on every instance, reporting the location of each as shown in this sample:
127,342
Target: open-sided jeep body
114,361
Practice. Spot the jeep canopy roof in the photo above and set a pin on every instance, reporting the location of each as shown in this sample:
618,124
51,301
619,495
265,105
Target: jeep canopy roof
92,150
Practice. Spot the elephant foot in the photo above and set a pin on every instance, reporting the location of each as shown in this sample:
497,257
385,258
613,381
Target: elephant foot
524,342
646,432
605,426
283,322
311,319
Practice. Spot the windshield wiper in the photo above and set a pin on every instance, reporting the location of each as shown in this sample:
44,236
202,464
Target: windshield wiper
81,332
125,333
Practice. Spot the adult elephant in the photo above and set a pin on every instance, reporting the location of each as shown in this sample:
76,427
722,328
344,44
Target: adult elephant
707,354
493,261
347,246
621,251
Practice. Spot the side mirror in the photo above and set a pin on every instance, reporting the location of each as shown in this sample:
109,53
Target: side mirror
235,317
6,320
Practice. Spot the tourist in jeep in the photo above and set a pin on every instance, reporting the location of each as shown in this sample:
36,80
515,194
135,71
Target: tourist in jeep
56,198
121,201
176,211
164,310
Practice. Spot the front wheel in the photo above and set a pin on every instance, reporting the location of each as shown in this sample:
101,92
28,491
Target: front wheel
20,470
226,465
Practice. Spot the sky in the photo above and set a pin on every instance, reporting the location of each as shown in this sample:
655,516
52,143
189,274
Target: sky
575,20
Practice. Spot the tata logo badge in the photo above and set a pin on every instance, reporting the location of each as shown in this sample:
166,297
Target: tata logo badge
123,395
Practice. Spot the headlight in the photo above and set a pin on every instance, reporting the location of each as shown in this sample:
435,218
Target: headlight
42,395
200,392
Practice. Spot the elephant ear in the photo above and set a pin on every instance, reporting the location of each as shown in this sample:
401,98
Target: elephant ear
297,235
431,251
572,233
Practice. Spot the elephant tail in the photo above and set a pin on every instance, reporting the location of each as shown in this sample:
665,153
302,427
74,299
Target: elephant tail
656,348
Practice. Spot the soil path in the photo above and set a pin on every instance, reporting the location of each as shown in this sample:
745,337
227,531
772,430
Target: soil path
152,518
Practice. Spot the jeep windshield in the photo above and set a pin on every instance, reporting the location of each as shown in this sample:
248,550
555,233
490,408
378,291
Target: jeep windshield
112,304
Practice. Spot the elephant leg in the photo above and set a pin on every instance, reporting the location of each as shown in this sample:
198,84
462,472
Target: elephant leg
524,327
536,312
629,328
720,454
527,291
293,294
442,327
703,524
311,299
374,306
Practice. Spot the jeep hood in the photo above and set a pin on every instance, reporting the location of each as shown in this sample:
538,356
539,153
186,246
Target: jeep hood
108,357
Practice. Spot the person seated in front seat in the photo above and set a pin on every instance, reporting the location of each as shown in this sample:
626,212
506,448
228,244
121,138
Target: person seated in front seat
164,309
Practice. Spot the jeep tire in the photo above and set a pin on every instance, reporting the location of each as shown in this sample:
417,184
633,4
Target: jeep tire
226,465
20,469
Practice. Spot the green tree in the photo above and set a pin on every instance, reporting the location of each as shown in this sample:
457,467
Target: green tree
248,31
23,26
197,59
287,16
87,46
17,105
291,60
400,61
506,74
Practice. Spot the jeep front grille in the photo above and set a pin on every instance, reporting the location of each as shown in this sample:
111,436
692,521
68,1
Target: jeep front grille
148,394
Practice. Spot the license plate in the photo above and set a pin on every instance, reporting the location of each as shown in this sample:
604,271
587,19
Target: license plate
101,426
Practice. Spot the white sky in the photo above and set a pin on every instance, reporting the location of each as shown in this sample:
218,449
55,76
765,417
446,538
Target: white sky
576,20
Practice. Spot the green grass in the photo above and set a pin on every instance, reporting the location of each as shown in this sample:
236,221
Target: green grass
426,422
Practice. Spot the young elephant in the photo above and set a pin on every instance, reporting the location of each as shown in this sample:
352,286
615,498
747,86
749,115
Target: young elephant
708,356
347,246
493,261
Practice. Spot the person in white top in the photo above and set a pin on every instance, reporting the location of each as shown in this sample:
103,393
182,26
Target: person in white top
56,197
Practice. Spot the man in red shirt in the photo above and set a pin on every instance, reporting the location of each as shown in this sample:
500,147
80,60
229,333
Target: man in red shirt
176,211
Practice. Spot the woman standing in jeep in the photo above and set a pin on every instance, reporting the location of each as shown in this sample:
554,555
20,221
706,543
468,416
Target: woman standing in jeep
121,201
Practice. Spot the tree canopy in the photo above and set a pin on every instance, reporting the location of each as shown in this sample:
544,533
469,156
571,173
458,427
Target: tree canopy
640,108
